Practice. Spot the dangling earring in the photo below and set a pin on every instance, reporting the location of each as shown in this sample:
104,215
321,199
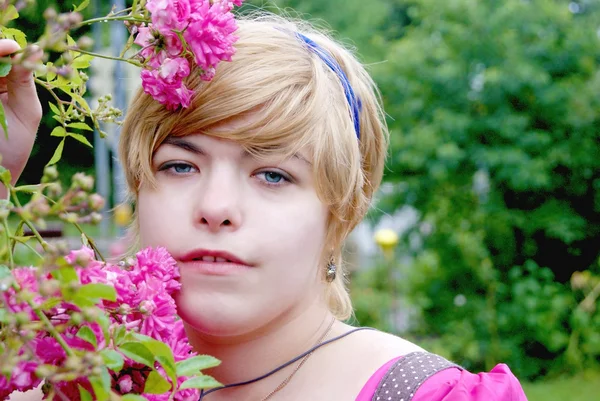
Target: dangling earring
331,271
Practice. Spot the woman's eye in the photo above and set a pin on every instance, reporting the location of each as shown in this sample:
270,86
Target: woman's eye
272,177
178,168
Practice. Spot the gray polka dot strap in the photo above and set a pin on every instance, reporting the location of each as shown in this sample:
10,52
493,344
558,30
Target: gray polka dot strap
406,375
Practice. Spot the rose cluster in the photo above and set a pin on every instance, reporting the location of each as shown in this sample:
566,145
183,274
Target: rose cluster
202,30
144,304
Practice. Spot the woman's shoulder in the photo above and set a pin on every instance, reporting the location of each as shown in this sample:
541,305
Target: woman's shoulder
423,376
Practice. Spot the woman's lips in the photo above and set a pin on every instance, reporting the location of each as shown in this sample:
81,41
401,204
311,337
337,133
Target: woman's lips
213,262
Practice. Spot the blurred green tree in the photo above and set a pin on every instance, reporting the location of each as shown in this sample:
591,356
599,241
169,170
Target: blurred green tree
495,118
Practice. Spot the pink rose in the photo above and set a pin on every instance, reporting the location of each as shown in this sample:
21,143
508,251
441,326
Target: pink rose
210,34
169,14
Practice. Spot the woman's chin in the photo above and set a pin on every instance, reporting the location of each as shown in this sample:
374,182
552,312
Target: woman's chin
209,320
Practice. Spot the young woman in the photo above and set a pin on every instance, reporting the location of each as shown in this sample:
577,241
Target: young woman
253,189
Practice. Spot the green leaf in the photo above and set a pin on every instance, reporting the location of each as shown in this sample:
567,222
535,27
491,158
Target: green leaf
194,365
57,153
137,352
104,323
3,121
85,333
112,359
30,188
82,61
51,75
202,382
5,69
54,109
10,13
84,395
80,126
81,139
133,397
17,35
82,6
58,131
50,303
3,315
97,291
4,272
65,275
168,365
156,384
101,385
82,102
5,175
162,354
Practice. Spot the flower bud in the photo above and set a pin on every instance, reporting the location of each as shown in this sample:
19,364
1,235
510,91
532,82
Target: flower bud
83,181
95,218
40,208
50,173
50,14
85,43
79,198
69,217
125,384
96,202
124,309
81,257
65,71
54,190
91,314
49,287
44,371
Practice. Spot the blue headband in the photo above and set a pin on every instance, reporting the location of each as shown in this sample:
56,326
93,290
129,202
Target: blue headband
351,98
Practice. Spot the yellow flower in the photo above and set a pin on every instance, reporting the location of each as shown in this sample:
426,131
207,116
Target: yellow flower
386,239
122,214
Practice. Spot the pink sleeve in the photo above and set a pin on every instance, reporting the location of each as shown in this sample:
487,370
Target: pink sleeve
456,385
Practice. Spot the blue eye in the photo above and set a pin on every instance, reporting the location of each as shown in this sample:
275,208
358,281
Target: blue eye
273,178
177,168
182,168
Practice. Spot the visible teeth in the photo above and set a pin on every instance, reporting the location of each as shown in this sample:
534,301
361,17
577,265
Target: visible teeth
221,260
208,258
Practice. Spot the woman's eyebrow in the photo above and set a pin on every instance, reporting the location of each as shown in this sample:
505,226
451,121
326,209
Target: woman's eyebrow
184,144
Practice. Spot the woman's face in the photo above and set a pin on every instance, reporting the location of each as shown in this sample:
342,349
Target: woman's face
247,233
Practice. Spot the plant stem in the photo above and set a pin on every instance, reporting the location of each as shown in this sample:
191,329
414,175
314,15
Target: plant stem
14,240
35,232
114,18
11,261
49,326
90,240
99,55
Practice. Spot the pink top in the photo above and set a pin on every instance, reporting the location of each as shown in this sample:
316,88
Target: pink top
457,385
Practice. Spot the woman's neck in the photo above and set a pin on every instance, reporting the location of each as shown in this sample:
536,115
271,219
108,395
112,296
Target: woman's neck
262,351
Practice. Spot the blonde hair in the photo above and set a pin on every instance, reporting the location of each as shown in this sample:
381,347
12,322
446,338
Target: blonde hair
299,103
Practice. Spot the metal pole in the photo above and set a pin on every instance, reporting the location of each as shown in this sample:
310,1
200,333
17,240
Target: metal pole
118,39
101,158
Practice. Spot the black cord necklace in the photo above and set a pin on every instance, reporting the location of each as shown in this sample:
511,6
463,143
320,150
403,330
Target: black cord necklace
277,369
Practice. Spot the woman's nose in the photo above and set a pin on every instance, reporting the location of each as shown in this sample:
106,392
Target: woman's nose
218,204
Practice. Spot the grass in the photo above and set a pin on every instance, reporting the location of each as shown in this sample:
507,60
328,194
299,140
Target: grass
585,387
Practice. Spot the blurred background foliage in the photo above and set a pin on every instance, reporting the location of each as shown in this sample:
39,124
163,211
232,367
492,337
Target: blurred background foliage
494,111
